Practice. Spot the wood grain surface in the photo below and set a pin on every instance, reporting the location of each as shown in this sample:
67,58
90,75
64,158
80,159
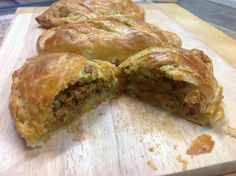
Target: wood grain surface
123,136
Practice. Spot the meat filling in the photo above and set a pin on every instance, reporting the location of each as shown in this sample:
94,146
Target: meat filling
73,100
154,87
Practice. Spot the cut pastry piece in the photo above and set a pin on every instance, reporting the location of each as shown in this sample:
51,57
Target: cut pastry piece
178,80
51,90
109,39
73,11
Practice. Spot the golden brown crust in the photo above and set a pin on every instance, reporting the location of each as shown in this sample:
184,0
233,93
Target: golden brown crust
73,11
191,66
109,39
39,81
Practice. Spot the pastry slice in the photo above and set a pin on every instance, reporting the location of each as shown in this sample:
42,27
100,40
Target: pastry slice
109,39
178,80
72,11
49,91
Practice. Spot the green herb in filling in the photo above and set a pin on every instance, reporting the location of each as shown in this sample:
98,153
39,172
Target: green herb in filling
56,105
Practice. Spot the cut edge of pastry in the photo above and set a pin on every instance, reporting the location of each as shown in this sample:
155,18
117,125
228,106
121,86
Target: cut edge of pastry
89,104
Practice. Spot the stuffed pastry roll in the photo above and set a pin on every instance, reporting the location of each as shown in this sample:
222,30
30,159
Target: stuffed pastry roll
109,39
51,90
178,80
73,11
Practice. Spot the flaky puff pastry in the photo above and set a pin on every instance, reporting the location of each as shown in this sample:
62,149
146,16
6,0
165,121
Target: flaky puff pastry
178,80
73,11
109,39
51,90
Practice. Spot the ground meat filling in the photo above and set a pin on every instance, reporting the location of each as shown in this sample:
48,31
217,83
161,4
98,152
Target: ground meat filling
153,86
74,97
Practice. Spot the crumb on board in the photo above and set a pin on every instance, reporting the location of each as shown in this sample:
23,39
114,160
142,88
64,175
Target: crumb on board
183,161
202,144
141,140
175,147
78,132
146,130
230,131
142,156
151,149
101,113
152,165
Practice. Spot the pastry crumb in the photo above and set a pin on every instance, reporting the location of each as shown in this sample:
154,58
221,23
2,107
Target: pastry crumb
230,131
78,132
151,149
152,165
175,147
76,129
101,113
183,161
141,140
202,144
146,130
142,156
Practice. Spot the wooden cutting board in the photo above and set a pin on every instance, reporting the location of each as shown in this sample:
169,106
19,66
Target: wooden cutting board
123,136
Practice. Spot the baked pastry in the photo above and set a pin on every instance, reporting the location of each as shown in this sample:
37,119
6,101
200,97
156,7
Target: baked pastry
73,11
51,90
109,39
178,80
